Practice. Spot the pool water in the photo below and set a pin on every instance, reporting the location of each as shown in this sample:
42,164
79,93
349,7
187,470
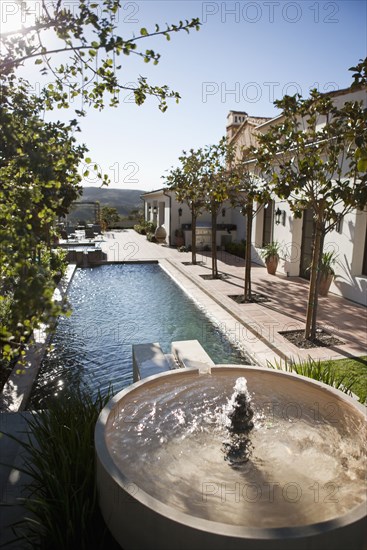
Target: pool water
114,307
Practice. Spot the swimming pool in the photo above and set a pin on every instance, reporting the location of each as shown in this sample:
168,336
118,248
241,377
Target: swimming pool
115,306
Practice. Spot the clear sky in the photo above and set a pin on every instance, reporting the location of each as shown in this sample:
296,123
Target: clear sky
246,54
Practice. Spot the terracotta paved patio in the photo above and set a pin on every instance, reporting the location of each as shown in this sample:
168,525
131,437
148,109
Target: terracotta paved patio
260,323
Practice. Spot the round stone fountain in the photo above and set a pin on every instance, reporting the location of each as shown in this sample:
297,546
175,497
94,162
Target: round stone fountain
198,461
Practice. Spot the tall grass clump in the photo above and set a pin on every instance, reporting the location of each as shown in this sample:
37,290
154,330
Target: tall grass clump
62,505
322,371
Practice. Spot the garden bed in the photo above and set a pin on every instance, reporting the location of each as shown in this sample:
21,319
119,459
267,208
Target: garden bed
219,277
322,340
256,298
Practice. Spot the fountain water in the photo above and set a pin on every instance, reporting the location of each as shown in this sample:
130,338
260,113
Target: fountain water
239,424
186,462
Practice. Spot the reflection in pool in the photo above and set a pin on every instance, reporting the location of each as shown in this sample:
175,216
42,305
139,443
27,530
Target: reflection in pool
115,306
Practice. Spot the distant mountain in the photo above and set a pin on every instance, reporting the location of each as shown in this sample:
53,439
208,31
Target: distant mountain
124,200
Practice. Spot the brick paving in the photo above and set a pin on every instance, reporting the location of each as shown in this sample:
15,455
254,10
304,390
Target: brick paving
256,327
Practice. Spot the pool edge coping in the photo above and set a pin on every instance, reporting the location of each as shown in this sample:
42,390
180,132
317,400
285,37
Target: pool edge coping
256,356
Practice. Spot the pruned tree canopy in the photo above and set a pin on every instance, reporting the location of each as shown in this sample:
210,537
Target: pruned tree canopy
314,158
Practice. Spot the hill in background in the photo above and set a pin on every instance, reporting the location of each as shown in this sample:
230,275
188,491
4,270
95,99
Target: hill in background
124,200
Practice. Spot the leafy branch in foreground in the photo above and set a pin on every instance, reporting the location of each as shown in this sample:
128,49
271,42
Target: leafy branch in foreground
39,173
39,161
87,32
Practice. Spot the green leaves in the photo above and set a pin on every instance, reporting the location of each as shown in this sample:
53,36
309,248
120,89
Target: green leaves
109,216
39,161
307,157
361,156
74,29
360,73
40,179
362,165
316,159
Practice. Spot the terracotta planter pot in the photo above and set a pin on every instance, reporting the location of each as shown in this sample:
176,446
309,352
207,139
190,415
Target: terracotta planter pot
160,234
325,282
272,264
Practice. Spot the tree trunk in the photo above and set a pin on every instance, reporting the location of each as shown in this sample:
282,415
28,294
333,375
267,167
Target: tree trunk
316,298
193,237
249,216
214,244
310,330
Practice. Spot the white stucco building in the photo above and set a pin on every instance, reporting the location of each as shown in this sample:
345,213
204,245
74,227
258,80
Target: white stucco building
162,208
276,222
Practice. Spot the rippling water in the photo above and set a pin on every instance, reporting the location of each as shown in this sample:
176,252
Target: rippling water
304,467
115,306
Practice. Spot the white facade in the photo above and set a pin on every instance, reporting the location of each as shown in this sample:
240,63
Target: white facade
348,240
162,208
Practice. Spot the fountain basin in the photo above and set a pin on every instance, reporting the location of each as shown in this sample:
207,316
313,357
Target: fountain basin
164,481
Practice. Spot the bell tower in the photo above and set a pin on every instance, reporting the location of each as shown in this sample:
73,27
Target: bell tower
234,121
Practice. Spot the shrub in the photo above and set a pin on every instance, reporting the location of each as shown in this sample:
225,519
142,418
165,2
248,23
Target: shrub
145,227
140,229
58,263
328,260
150,227
237,249
270,250
151,238
317,370
60,461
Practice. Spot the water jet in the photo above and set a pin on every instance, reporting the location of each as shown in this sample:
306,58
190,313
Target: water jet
164,481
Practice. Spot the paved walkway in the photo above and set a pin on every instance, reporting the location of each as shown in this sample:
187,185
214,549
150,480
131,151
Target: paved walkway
256,327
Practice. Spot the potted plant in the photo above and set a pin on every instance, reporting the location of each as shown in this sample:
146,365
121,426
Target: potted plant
270,254
327,272
180,237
